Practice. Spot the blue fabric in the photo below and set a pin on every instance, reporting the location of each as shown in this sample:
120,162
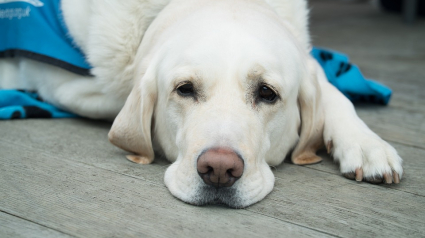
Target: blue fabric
348,78
343,75
35,29
18,104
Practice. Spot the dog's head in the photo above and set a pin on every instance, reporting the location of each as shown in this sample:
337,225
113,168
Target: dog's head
223,93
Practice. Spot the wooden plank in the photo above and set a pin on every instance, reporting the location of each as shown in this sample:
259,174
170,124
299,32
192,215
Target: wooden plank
307,197
85,201
79,140
11,226
362,31
342,207
395,124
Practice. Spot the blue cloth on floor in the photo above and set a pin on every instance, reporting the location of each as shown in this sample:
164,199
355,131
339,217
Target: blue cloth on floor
343,75
348,79
18,104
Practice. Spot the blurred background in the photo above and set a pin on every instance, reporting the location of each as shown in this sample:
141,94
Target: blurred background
377,37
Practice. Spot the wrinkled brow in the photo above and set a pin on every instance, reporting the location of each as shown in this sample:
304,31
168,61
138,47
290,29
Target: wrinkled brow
258,75
179,77
255,74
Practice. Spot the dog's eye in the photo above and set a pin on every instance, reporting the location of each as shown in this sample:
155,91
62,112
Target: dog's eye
267,94
186,90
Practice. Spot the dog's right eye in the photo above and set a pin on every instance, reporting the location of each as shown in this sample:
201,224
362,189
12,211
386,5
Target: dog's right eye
267,94
186,90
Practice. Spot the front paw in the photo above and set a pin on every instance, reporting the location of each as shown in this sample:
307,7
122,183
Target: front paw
366,157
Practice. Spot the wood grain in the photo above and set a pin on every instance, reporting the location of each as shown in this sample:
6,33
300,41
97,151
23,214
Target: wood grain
85,201
12,226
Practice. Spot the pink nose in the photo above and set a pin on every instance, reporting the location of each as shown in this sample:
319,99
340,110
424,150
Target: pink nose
220,167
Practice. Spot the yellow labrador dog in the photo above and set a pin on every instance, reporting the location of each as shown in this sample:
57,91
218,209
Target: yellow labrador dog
223,88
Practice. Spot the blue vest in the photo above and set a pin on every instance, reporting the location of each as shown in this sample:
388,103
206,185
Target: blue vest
35,29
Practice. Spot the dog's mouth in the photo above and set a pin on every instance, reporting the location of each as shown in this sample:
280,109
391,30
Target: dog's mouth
208,195
197,190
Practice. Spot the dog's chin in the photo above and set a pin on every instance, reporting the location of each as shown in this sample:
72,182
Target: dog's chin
207,195
245,192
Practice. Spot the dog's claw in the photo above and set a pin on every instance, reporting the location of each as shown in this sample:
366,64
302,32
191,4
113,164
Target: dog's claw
329,146
359,174
388,178
396,177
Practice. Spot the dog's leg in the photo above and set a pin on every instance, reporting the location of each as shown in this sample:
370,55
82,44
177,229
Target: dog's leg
85,97
362,154
66,90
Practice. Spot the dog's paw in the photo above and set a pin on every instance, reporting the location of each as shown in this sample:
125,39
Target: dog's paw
364,156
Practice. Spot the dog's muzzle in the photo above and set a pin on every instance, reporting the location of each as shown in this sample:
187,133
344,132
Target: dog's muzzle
220,167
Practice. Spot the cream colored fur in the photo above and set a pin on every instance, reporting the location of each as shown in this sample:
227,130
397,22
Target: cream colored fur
141,50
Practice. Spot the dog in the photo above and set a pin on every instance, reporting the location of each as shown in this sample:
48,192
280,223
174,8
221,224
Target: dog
224,89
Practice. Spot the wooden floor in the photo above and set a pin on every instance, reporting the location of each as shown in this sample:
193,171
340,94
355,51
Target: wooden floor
62,178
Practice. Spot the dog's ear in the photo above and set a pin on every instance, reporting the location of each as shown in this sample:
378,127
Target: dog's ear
312,118
131,130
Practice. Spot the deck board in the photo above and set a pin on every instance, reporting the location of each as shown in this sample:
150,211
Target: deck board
12,226
302,196
395,124
85,201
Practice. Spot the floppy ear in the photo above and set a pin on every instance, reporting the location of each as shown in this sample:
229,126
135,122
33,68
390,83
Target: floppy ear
131,130
312,118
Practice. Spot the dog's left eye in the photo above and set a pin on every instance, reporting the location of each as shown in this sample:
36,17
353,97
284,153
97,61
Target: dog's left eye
186,90
267,94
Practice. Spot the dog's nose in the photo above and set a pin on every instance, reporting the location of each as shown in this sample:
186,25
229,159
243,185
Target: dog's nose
220,167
